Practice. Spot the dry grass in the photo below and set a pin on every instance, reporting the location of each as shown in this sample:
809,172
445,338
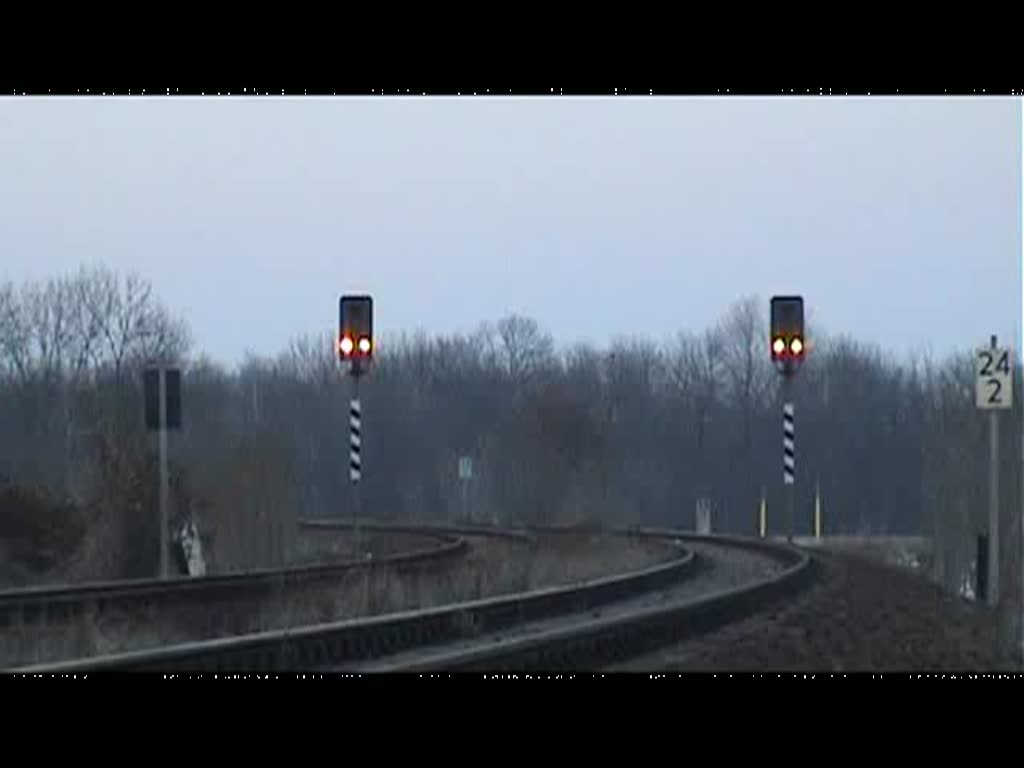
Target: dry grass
331,545
39,534
493,567
911,552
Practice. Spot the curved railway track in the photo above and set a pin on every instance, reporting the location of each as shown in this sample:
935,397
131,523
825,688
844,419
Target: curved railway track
29,618
584,626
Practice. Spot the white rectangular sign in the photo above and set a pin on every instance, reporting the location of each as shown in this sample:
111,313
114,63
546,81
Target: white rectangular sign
993,383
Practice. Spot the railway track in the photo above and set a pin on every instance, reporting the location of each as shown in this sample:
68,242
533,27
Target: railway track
584,626
725,582
30,618
429,528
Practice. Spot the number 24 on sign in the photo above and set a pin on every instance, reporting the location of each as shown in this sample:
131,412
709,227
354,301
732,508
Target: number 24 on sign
993,379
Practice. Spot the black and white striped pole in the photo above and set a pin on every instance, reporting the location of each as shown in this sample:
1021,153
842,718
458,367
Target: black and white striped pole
355,459
355,436
789,455
788,349
356,347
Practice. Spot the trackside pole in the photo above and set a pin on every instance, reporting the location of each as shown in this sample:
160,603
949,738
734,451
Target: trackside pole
817,510
355,446
993,508
763,523
789,455
164,567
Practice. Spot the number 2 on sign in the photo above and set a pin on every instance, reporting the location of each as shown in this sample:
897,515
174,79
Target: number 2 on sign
986,369
997,388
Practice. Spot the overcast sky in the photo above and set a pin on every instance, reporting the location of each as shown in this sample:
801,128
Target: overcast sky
898,219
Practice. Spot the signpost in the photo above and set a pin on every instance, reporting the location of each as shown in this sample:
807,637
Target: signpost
993,392
162,387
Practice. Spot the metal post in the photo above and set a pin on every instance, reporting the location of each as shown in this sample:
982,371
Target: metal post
1020,522
764,514
789,452
163,473
993,508
355,465
981,570
993,504
817,510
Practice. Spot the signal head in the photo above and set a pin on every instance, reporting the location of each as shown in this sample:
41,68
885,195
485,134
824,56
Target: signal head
788,346
355,328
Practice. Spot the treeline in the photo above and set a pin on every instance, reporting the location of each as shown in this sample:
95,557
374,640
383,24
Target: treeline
632,433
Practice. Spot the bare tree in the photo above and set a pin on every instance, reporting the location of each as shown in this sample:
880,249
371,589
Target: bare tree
15,333
525,349
747,370
131,326
312,360
702,362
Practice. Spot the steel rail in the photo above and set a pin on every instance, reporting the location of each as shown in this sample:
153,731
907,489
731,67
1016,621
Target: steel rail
330,644
590,643
336,644
430,528
28,606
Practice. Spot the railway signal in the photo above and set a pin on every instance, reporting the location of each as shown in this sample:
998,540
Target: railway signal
355,333
788,349
788,342
356,346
